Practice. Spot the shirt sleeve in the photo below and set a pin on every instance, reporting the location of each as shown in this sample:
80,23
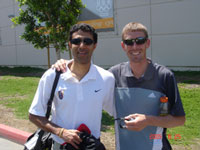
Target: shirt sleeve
108,104
172,92
42,95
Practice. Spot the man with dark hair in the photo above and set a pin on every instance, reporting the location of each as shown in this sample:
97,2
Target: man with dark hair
81,94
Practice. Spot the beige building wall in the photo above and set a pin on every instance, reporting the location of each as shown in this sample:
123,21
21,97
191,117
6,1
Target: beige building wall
174,28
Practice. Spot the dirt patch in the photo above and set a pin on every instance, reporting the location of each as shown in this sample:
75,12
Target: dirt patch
8,118
10,97
12,77
191,86
195,146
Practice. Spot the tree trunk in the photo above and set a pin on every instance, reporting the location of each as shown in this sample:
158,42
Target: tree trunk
70,54
58,53
69,51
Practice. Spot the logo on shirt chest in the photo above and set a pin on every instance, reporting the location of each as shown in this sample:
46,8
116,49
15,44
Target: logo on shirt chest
61,94
152,95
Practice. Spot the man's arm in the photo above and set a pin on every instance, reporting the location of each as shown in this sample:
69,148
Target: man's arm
140,121
168,121
70,136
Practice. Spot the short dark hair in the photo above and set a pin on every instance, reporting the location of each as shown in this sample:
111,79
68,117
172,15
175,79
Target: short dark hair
85,28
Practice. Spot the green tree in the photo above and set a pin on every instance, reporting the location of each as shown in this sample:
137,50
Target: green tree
48,21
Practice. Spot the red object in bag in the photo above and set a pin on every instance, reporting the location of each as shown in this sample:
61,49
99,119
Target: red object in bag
82,128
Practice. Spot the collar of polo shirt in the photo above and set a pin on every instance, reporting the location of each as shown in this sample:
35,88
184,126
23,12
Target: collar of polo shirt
91,75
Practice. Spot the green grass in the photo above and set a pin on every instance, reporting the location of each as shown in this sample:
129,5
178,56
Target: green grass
17,93
18,86
191,129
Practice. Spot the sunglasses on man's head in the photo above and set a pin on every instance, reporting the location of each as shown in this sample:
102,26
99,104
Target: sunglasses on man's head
138,41
86,41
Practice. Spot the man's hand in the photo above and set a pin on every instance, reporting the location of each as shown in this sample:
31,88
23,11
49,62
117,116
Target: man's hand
136,122
71,137
60,65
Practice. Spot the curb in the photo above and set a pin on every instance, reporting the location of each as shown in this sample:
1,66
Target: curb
14,134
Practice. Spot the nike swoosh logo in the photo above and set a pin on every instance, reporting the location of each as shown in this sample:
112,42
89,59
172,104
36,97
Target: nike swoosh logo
97,90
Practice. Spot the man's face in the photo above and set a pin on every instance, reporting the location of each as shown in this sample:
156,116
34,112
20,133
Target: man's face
135,52
82,47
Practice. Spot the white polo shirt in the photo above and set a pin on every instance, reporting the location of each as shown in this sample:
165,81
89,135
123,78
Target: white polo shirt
76,102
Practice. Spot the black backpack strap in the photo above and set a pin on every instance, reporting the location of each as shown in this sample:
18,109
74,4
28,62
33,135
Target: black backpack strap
52,93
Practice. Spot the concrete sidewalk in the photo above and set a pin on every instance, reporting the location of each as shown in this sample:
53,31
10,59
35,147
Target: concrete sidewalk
9,145
12,138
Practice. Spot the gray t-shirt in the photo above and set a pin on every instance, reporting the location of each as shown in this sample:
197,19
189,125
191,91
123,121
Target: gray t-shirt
142,95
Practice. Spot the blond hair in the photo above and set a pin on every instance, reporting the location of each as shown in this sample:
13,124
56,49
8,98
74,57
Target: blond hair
134,26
